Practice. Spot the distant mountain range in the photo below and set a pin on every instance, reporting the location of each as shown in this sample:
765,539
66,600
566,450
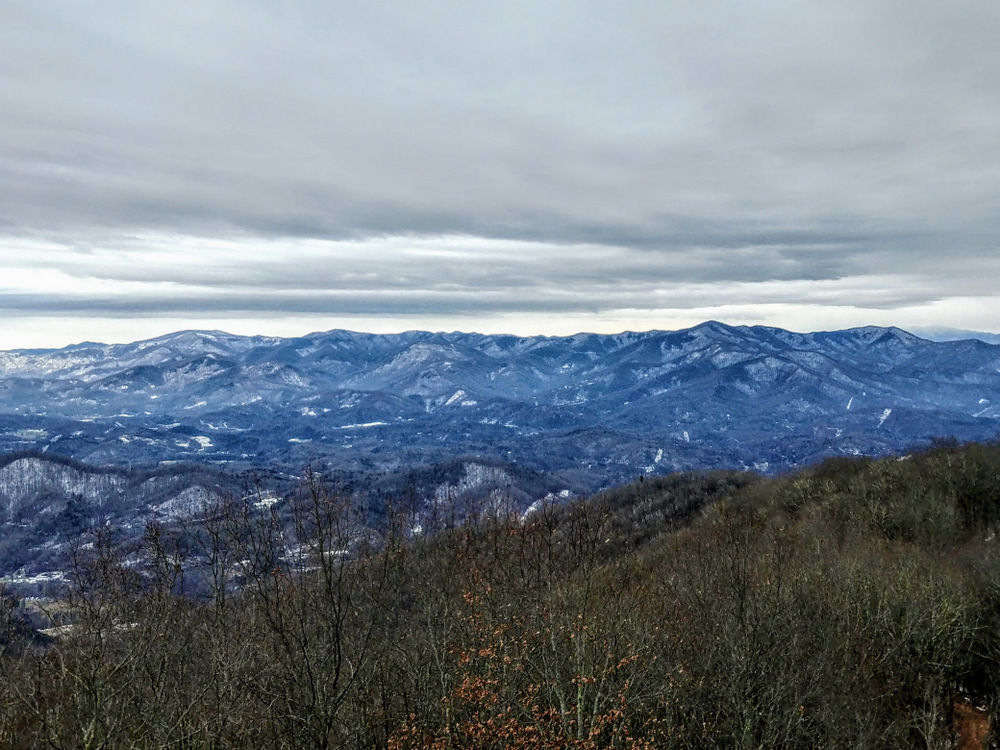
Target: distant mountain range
955,334
593,409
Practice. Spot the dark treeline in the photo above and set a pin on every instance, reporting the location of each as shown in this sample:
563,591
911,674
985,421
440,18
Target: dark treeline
852,605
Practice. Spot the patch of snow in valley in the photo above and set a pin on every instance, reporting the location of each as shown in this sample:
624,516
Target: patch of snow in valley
44,577
31,434
885,416
265,500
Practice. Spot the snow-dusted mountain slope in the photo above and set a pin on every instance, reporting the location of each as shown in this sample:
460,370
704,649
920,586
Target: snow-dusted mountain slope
604,406
46,501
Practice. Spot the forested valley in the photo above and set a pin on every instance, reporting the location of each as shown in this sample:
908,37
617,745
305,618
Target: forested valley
854,604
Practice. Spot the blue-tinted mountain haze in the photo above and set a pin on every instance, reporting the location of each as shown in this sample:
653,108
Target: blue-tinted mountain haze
601,407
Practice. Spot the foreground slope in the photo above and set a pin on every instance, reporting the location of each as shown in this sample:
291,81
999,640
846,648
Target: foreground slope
852,605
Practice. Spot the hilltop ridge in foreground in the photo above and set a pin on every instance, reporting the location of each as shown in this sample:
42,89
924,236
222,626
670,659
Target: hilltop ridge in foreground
597,408
854,604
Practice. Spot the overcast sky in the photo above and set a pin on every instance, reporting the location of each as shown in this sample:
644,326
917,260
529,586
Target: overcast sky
533,167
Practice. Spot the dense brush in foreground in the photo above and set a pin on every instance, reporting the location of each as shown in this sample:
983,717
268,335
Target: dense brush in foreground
848,606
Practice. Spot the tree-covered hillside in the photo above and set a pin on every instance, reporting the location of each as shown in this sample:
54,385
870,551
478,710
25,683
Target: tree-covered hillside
852,605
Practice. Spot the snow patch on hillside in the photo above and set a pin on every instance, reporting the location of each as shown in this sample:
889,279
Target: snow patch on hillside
475,477
191,501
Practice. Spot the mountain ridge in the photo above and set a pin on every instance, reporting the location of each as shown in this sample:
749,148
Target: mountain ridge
712,395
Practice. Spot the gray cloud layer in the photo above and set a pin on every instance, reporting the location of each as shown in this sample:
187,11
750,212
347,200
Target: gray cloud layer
610,150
